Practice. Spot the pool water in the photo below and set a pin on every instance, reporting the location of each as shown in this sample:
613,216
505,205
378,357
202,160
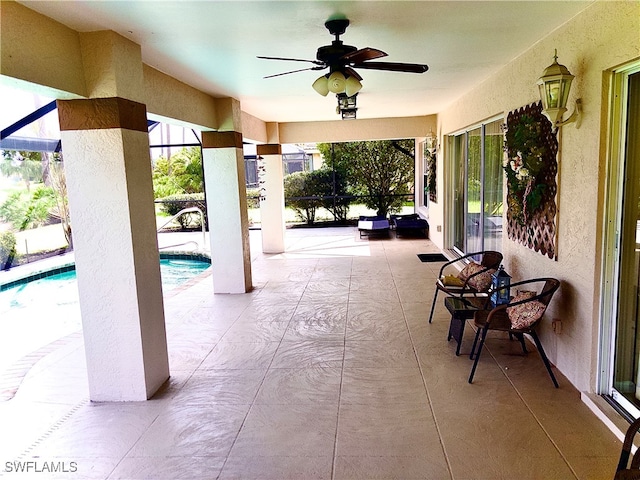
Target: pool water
61,289
41,311
176,272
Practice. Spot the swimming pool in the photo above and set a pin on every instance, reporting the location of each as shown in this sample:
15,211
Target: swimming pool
44,307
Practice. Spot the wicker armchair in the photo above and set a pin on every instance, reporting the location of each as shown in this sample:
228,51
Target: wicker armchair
519,317
489,260
624,470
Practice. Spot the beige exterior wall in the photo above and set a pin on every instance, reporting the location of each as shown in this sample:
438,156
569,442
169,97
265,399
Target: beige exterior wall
50,55
254,129
349,131
112,66
172,101
601,38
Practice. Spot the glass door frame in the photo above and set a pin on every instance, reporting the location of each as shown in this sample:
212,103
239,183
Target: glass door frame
611,240
457,150
451,175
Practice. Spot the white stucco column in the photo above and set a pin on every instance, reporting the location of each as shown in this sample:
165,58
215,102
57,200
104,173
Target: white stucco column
108,173
223,163
272,203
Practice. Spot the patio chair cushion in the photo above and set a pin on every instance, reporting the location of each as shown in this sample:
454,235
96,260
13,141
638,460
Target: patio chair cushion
482,281
468,270
476,276
375,222
525,314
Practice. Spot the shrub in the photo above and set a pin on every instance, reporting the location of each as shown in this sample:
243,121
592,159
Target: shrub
174,203
26,210
298,188
332,187
7,249
182,173
253,198
307,191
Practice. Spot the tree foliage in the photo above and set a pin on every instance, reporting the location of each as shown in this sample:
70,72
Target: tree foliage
173,204
31,209
26,210
334,189
179,174
28,166
7,249
338,189
58,183
377,170
302,194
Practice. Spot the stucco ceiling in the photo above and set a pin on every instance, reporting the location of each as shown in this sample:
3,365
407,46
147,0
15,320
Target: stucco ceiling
212,45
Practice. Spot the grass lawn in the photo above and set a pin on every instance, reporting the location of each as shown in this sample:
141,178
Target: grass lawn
322,215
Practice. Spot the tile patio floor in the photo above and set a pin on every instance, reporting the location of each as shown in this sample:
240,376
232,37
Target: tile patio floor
327,370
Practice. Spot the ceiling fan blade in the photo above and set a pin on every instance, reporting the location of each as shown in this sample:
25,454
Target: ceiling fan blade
317,62
295,71
394,67
363,55
351,72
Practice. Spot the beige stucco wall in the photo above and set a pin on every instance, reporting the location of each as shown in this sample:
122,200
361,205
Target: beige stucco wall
36,49
348,131
172,101
253,129
112,66
601,38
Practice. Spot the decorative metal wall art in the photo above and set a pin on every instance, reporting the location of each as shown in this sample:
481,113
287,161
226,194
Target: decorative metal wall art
531,169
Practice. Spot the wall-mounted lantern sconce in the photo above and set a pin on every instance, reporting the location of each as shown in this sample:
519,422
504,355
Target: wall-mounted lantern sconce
554,86
431,141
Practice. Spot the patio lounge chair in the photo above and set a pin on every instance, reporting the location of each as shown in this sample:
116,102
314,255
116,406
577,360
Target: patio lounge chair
410,224
489,260
519,317
373,225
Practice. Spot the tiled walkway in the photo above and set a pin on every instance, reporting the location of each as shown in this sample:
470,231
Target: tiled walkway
327,370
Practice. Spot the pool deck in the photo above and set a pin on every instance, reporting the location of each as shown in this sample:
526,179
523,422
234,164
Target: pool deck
328,369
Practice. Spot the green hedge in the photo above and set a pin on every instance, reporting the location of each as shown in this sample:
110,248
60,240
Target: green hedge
174,203
7,249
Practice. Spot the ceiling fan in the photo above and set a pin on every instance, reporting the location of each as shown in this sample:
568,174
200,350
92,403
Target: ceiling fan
342,60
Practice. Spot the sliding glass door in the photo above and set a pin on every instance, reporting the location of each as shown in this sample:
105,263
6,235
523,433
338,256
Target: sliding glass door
459,154
476,157
622,315
492,205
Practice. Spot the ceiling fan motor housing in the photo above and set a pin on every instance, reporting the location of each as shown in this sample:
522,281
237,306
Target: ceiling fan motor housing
331,54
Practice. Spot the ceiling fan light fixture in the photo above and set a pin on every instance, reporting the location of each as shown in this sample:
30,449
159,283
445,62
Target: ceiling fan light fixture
352,86
321,85
337,82
347,106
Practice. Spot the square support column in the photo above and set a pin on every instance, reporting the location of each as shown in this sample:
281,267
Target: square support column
223,163
109,184
272,201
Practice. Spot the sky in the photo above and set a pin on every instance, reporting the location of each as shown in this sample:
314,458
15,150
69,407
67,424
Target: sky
16,104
